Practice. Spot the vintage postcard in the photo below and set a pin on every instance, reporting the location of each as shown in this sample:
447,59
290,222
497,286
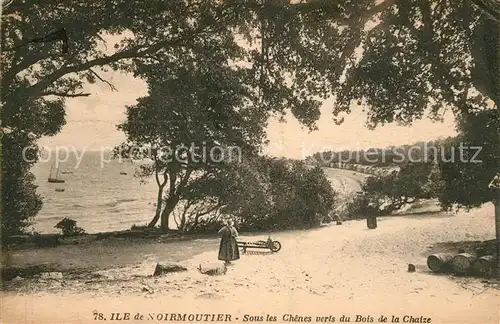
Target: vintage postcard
250,161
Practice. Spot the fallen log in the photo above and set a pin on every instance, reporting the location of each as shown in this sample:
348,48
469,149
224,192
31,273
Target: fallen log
440,262
484,265
462,263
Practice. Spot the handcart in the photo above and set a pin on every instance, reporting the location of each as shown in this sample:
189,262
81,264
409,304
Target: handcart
269,244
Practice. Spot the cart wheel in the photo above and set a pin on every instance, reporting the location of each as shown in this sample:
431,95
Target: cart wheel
276,246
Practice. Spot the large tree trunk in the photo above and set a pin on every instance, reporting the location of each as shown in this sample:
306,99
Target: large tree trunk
182,226
497,231
170,205
158,207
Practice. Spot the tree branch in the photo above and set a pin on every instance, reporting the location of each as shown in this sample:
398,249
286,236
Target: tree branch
489,7
11,73
64,94
184,181
155,160
366,16
113,88
136,51
209,210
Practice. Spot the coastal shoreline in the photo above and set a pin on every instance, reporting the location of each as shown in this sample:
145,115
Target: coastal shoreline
356,270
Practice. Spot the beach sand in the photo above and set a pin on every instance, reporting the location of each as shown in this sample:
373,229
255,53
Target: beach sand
332,271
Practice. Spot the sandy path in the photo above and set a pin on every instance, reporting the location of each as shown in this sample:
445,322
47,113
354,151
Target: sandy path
338,270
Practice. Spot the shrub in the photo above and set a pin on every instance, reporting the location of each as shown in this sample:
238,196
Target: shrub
358,208
205,225
135,227
69,228
300,197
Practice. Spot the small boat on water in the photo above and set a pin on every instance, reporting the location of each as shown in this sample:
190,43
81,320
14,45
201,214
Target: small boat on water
56,179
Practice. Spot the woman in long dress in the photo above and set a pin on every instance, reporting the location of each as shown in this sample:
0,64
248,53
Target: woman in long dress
228,249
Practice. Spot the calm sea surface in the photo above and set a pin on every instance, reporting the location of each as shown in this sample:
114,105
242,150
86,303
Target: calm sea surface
96,195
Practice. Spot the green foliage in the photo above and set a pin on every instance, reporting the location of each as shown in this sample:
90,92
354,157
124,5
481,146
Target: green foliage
20,202
362,206
485,51
206,225
169,37
69,228
388,193
356,208
135,227
195,120
416,61
383,157
300,197
261,194
466,176
458,171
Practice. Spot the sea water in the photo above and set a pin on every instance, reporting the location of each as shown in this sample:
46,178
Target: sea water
95,194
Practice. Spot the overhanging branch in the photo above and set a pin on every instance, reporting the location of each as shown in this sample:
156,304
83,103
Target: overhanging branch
136,51
366,16
64,94
326,4
113,88
489,7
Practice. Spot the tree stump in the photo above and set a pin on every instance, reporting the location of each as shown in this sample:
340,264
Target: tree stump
440,262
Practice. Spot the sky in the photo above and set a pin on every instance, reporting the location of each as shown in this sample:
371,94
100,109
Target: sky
91,125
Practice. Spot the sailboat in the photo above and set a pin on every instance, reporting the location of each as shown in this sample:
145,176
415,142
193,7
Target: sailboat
54,180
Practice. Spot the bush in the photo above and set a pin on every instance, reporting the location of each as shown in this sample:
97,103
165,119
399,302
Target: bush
205,225
300,197
392,191
69,228
135,227
358,208
267,194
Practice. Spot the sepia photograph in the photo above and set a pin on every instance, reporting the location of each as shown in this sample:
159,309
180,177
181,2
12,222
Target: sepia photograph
260,161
